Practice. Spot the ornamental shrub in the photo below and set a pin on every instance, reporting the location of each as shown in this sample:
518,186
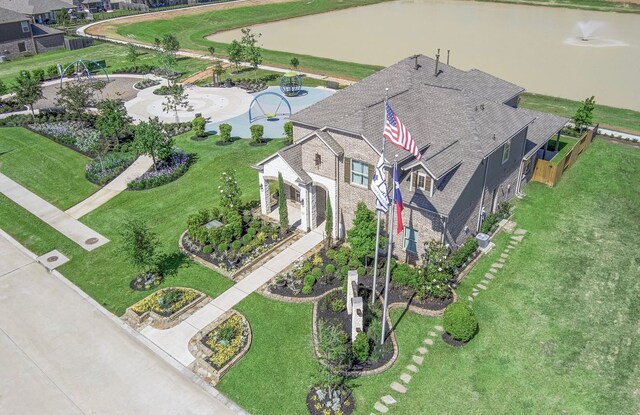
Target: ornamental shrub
225,133
342,256
257,131
251,232
309,280
354,263
330,269
207,249
236,245
223,247
465,251
362,271
338,305
488,223
246,239
331,254
316,272
405,275
460,322
344,271
307,289
360,347
197,126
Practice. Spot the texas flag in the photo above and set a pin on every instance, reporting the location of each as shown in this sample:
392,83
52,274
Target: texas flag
398,198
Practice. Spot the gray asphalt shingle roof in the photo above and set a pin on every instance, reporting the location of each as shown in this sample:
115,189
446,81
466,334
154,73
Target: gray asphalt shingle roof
292,155
32,7
10,16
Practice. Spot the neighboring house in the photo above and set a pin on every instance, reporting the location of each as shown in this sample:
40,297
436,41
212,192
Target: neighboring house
478,151
18,36
40,11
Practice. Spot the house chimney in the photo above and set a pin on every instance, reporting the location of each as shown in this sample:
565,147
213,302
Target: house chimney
448,51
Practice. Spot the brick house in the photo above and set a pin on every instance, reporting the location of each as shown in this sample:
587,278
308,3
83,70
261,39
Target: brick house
478,150
39,11
19,36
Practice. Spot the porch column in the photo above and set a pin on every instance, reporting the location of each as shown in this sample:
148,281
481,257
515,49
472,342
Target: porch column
265,195
305,201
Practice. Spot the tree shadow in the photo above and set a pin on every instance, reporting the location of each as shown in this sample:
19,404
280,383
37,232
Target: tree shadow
169,264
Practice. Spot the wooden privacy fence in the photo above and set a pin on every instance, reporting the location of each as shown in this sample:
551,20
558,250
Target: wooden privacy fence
550,173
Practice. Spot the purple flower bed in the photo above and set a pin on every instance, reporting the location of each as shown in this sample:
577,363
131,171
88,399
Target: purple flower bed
63,132
113,164
167,171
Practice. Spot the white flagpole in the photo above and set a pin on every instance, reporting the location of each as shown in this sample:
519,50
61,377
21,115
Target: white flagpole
375,261
389,249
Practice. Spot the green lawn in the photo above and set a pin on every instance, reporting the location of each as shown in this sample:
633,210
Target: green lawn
565,145
619,118
593,5
52,171
113,54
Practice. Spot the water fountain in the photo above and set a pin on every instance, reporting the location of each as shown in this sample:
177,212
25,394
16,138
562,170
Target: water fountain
590,33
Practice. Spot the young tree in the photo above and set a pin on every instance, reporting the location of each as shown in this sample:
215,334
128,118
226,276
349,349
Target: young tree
169,48
177,99
235,52
76,97
230,193
584,113
283,212
62,17
362,235
294,63
334,356
113,120
250,49
288,131
218,71
139,245
328,221
212,51
436,274
28,90
91,142
151,139
132,53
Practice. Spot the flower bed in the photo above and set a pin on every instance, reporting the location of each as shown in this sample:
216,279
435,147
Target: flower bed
166,302
63,132
146,281
146,83
237,242
335,401
114,163
167,171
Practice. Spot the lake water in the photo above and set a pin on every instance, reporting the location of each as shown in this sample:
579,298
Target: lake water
538,48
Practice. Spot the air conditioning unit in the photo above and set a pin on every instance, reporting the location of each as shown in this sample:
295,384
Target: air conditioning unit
3,58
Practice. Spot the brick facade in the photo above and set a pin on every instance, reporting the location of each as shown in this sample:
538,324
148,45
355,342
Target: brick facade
11,49
49,42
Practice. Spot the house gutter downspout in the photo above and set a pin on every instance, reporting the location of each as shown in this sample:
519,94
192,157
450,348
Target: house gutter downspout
521,168
484,182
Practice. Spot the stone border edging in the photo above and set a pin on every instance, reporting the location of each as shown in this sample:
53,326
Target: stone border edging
423,311
160,322
392,335
199,351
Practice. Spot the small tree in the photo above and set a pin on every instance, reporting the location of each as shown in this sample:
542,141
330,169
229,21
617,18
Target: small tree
257,132
28,90
76,97
151,139
283,211
91,142
113,120
197,125
225,133
139,245
362,235
218,71
230,193
334,356
328,221
436,274
584,113
294,63
169,47
252,53
212,51
176,99
235,53
132,53
62,17
288,132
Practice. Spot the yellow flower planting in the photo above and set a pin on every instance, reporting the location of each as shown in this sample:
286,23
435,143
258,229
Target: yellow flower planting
224,351
175,299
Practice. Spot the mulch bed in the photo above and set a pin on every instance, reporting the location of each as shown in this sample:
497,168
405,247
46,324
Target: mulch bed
451,341
343,320
347,407
138,283
196,138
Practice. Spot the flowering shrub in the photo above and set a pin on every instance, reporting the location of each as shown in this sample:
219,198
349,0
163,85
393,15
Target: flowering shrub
146,83
113,163
63,132
224,345
166,302
167,171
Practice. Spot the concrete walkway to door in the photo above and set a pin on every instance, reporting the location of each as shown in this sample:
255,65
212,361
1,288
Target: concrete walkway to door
175,340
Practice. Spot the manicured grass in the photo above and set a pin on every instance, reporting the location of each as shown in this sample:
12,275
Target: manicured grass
566,144
594,5
114,55
52,171
558,324
191,31
618,118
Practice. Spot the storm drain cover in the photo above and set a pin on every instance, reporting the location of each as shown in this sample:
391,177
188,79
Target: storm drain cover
91,241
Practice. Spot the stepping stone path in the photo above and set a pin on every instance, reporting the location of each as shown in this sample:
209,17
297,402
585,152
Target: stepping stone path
497,265
382,406
481,286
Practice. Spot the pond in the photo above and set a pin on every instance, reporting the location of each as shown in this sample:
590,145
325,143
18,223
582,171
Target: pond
539,48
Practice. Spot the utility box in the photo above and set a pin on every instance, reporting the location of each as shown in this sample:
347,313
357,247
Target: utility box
483,240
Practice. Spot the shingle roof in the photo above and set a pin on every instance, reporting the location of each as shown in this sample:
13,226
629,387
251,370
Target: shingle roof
10,16
542,128
43,30
31,7
292,155
330,142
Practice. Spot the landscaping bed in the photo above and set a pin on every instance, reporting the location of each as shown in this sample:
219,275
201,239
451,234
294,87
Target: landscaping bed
163,308
113,163
146,83
321,401
166,171
146,281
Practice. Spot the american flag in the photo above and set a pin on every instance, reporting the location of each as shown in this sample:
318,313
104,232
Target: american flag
398,134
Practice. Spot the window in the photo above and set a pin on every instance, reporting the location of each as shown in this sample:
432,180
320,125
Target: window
359,173
21,47
318,159
410,240
25,27
422,181
505,152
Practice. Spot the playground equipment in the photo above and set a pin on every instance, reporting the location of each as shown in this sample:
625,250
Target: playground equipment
265,107
291,84
81,70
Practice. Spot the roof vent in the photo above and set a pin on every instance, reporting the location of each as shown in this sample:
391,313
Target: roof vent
438,71
448,51
416,65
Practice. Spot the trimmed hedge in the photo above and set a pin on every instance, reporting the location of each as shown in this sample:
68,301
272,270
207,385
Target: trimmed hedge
460,322
465,251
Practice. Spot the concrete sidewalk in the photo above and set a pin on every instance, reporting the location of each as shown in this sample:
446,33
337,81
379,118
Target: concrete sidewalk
62,353
78,232
175,340
111,189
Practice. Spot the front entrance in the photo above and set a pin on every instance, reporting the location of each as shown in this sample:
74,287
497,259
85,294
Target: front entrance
321,205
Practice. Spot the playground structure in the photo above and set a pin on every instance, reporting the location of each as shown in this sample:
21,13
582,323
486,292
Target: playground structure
269,109
291,84
81,70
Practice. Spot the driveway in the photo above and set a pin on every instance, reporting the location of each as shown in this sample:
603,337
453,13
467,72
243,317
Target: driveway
61,354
